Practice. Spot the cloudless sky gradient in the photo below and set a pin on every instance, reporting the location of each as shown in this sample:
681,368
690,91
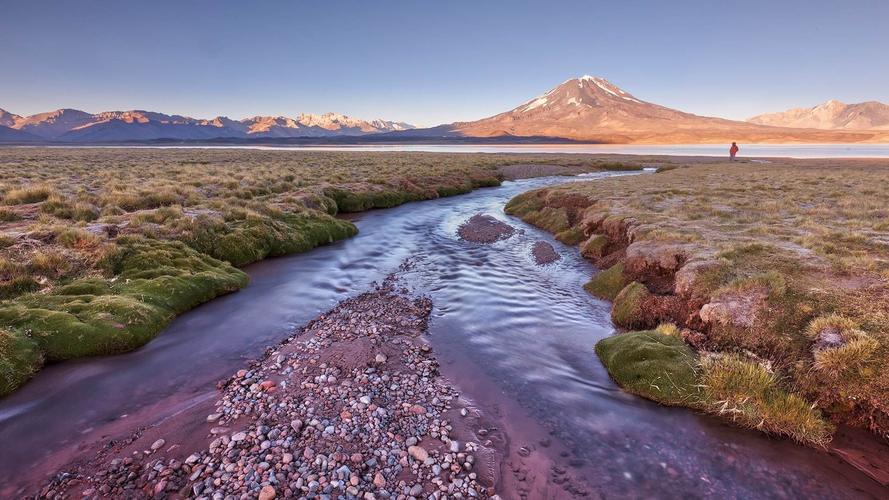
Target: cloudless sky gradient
431,62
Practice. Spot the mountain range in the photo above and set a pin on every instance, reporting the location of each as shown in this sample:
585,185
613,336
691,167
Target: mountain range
595,110
72,125
831,115
589,109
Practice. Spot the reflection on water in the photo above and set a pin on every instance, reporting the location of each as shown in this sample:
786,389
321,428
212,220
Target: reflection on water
524,329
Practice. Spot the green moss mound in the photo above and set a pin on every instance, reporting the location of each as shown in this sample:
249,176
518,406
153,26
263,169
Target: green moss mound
20,358
652,365
627,311
155,281
349,201
258,236
607,284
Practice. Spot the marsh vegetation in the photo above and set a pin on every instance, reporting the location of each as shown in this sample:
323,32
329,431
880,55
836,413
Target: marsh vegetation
101,248
775,276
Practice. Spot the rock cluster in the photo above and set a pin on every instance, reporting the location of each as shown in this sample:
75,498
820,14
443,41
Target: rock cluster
352,407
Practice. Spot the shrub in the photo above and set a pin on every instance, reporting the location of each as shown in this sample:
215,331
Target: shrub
751,396
652,365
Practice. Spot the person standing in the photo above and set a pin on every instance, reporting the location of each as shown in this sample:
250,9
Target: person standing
732,151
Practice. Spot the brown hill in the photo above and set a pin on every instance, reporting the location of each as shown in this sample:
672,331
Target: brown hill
831,115
593,109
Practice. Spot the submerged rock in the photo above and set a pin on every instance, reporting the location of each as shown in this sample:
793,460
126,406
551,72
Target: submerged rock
483,228
544,253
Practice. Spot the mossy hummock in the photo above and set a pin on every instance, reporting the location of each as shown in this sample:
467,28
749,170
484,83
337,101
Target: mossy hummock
652,365
154,281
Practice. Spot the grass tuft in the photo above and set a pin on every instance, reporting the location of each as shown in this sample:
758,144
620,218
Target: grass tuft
750,395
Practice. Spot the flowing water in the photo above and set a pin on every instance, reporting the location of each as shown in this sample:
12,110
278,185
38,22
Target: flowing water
516,337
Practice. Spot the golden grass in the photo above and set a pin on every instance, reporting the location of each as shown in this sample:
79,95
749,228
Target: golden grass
751,395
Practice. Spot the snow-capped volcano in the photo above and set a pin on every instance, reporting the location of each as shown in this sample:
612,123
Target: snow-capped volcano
591,108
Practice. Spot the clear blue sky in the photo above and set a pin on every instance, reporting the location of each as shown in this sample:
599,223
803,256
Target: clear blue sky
432,62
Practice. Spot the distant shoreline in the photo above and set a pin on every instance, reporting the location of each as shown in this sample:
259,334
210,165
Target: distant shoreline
756,151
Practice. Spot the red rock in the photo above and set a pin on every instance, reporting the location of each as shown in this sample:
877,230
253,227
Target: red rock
160,487
418,410
267,493
267,384
379,480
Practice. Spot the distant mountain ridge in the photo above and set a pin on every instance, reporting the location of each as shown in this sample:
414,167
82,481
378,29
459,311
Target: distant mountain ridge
831,115
587,109
72,125
592,109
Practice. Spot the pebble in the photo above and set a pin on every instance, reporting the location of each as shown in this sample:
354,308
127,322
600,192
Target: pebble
157,444
418,452
331,427
267,493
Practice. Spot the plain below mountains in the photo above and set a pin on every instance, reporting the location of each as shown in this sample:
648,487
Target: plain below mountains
72,125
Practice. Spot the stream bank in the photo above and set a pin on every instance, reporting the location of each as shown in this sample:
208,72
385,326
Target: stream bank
514,337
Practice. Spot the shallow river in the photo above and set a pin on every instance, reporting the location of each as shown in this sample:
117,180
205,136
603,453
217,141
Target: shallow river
516,337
